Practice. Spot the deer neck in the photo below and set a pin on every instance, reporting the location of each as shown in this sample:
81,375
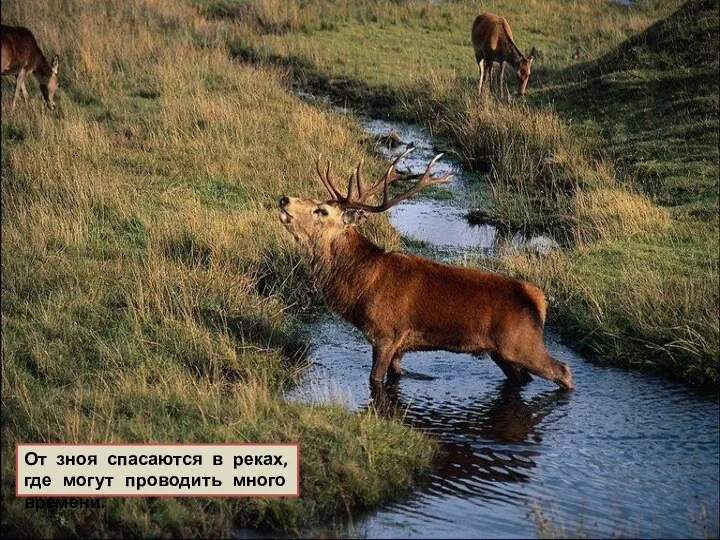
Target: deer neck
344,268
42,71
513,53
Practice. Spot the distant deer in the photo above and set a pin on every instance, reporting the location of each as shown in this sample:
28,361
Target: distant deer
21,56
405,302
493,41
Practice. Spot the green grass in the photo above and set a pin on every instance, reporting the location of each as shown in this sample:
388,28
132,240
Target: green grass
411,243
615,153
149,292
369,50
653,102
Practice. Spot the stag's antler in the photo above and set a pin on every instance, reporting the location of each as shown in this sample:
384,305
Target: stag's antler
390,176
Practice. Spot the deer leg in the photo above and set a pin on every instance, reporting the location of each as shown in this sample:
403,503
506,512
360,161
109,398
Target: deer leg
488,75
501,81
18,87
513,372
24,91
383,354
395,370
481,69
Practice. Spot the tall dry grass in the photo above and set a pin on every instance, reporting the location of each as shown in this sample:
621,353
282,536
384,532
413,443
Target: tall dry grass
541,176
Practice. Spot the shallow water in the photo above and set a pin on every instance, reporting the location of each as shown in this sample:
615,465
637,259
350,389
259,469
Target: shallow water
442,224
624,454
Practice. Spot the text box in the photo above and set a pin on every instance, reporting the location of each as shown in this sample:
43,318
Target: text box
157,470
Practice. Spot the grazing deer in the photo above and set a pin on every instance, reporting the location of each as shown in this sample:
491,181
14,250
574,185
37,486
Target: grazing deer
21,56
493,42
408,303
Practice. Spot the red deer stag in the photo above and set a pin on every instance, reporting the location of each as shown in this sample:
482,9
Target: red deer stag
21,56
408,303
493,41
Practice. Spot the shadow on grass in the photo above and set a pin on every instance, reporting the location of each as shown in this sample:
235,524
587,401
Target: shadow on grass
342,91
257,329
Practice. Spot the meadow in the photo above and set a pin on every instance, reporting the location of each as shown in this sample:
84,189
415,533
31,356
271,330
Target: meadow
149,292
614,151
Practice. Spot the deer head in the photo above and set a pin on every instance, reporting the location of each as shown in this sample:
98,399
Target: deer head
314,222
523,73
50,86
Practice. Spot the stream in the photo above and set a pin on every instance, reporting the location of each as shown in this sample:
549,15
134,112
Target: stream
624,454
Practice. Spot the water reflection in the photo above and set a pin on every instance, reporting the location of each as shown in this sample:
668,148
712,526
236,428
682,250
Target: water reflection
466,432
443,223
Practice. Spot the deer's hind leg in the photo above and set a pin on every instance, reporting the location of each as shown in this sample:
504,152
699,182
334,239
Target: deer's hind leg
488,75
24,91
19,86
514,373
395,371
383,354
501,81
481,70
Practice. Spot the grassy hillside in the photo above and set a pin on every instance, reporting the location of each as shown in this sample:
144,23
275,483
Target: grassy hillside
613,152
148,288
653,101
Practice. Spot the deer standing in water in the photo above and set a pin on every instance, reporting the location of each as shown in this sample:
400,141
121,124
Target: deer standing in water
493,41
21,56
405,302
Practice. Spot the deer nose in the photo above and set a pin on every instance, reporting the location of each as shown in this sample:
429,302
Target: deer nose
284,201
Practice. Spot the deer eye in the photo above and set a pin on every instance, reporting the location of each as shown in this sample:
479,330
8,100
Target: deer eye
320,211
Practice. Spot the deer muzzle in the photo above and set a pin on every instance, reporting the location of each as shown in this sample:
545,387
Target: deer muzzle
285,217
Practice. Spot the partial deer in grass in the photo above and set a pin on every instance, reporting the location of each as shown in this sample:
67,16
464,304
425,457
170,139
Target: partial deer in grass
405,302
493,41
21,56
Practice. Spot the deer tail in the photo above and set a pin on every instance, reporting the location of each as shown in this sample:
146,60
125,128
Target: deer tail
538,299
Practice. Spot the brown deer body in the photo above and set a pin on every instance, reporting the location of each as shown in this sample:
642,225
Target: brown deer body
21,56
493,41
407,303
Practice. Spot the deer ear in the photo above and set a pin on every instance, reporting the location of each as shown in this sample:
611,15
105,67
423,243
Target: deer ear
353,217
55,64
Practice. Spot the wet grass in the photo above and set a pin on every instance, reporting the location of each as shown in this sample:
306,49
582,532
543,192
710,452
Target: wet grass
411,243
614,152
149,292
